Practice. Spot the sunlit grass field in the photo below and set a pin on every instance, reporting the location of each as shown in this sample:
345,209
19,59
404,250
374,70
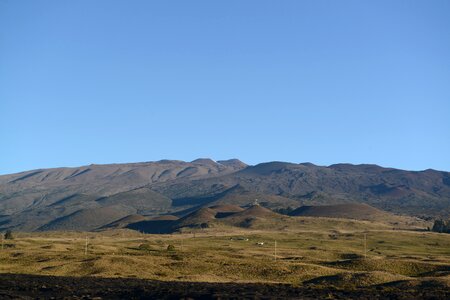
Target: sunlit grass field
326,251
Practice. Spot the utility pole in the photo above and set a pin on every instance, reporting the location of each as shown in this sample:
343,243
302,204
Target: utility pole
275,251
365,245
86,246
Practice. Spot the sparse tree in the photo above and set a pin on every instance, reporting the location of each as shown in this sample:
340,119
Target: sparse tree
284,210
441,226
9,235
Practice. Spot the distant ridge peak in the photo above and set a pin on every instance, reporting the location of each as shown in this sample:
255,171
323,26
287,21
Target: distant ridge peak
204,161
229,161
308,164
269,167
169,161
234,163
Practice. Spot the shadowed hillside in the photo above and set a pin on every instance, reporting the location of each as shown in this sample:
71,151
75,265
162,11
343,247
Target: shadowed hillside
124,222
88,219
225,210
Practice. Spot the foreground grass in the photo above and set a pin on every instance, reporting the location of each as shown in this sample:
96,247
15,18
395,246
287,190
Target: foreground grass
310,255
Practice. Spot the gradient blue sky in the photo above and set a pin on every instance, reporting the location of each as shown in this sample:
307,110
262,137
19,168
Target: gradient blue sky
320,81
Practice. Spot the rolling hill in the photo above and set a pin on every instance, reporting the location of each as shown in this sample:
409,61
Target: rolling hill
257,217
358,211
204,217
355,211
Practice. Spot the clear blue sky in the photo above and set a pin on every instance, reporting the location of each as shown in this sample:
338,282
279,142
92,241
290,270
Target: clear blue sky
321,81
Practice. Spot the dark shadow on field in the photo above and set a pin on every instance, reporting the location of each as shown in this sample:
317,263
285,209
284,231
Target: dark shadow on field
23,286
153,226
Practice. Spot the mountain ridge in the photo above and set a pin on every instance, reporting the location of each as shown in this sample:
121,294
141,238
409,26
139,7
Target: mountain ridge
31,199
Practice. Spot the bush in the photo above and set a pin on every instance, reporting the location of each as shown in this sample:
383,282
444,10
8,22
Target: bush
9,235
171,248
441,226
284,211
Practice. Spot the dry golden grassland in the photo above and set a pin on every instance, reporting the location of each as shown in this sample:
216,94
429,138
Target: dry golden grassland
320,251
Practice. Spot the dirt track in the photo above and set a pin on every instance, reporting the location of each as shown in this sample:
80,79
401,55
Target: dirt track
14,286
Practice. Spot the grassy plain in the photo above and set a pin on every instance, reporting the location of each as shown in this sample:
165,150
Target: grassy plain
319,251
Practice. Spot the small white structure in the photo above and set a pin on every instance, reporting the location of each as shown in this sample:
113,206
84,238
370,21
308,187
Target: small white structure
260,243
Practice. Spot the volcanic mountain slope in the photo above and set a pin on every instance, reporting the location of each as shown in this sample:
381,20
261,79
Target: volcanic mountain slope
237,195
88,219
31,200
405,192
144,200
47,186
34,199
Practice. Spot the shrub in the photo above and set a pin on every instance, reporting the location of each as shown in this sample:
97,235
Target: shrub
284,210
171,248
9,235
441,226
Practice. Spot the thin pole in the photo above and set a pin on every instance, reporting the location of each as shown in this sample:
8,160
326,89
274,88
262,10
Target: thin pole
86,246
365,245
275,251
3,239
